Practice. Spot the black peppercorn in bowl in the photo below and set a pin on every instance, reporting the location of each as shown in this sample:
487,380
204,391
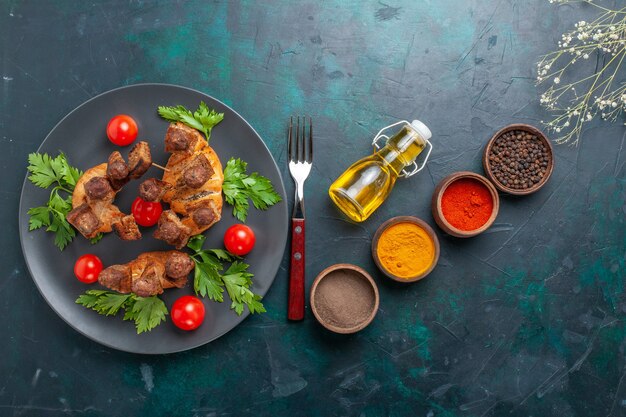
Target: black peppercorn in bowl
518,159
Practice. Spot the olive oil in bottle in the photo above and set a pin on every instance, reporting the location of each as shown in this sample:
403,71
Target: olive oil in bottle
363,187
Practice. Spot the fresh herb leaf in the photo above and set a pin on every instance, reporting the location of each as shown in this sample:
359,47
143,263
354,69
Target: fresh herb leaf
210,280
110,303
207,281
90,298
96,239
207,278
208,117
58,203
39,217
238,187
45,172
196,242
63,232
238,280
71,175
222,255
42,172
203,119
146,312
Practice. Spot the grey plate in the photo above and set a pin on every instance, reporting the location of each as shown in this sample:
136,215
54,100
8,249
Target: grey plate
81,135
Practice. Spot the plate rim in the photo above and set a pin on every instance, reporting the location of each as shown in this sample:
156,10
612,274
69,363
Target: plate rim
22,217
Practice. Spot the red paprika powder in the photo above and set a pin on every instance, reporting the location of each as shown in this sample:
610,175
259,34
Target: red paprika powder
467,204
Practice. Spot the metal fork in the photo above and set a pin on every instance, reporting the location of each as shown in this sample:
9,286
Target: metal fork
300,151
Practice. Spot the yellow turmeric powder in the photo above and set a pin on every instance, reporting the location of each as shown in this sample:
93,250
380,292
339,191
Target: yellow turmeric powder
405,250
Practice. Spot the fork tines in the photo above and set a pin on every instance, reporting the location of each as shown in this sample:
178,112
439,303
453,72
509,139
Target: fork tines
303,151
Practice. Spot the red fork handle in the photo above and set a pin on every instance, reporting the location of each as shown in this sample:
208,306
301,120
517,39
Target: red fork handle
296,271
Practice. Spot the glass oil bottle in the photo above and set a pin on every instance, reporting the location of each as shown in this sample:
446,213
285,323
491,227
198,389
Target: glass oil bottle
363,187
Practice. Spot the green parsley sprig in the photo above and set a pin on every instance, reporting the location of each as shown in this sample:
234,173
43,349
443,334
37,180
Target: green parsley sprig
238,187
146,312
203,119
97,238
210,278
45,172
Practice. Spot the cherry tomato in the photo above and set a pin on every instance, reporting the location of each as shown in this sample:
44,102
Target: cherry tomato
146,213
188,312
87,268
239,239
122,130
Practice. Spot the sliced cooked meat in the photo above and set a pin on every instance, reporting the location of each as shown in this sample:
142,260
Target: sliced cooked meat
139,160
195,176
171,230
84,220
98,188
149,283
203,216
152,189
177,283
117,170
116,277
180,137
168,231
126,228
178,265
147,274
197,173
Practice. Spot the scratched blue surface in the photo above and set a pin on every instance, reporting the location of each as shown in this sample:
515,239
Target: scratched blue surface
525,320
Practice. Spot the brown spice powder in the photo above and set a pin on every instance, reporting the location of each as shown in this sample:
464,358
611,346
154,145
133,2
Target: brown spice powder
344,299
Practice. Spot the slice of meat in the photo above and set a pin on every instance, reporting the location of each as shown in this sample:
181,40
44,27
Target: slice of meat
117,170
171,230
180,137
160,259
203,216
149,283
88,213
126,228
139,160
178,265
153,189
147,274
99,188
195,175
116,277
197,172
84,220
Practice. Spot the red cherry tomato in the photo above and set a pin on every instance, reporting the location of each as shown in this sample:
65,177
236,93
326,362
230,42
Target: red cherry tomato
146,213
239,239
122,130
188,312
87,268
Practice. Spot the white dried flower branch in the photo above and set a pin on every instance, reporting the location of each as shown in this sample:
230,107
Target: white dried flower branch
603,93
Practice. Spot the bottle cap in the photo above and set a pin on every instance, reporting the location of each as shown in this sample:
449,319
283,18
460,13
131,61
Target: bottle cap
422,129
